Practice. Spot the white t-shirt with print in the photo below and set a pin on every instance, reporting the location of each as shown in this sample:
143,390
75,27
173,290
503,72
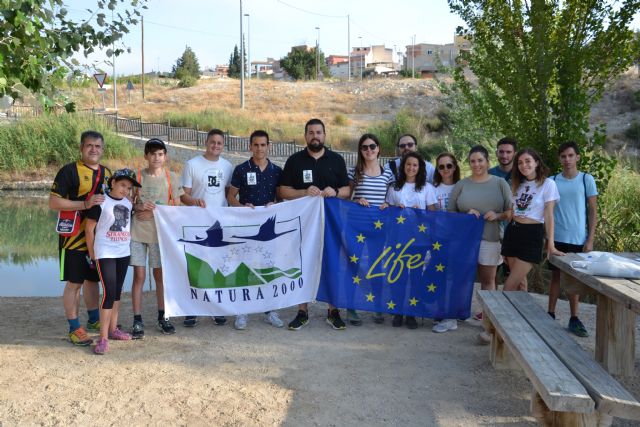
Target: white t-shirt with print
409,197
443,192
208,179
113,230
530,199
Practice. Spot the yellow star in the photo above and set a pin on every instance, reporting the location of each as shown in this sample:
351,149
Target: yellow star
413,301
370,297
391,305
378,224
422,228
440,267
400,219
360,238
436,246
354,259
431,287
356,280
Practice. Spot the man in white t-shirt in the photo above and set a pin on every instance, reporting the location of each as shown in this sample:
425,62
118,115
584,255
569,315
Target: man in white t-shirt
408,143
205,182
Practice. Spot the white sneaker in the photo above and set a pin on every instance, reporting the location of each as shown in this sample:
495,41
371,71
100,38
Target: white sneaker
484,338
273,318
445,325
241,322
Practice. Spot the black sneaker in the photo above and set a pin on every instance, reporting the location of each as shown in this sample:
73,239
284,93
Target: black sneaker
577,328
166,327
411,322
335,321
397,321
137,331
378,318
219,320
190,321
302,318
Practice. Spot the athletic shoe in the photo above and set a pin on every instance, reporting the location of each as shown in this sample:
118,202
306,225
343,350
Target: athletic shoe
478,316
166,327
137,330
119,335
190,321
102,346
553,315
484,338
94,327
80,337
354,318
577,328
378,318
241,322
272,317
302,318
333,318
411,322
445,325
397,321
219,320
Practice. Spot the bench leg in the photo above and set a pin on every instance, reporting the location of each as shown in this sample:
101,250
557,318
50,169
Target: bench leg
549,418
500,356
615,337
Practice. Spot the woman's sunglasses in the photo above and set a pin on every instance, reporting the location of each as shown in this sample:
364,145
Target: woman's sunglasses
446,165
365,147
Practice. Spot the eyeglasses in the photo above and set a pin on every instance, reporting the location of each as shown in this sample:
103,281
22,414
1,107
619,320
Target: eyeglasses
446,165
365,147
407,145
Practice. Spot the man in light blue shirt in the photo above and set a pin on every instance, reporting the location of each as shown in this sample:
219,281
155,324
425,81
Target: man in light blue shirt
575,218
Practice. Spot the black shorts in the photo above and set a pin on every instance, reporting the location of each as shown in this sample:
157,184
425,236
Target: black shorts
74,267
566,248
523,241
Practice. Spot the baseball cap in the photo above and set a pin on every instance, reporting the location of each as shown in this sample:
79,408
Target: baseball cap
126,174
154,143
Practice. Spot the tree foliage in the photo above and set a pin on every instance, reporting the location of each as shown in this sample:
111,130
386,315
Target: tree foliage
187,69
38,40
540,66
234,62
300,64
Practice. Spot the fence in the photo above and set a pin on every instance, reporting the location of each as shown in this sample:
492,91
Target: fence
182,135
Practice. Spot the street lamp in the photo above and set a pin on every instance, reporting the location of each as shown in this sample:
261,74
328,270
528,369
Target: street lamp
249,44
361,58
318,55
241,59
413,57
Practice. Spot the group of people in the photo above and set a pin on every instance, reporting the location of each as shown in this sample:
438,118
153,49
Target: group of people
518,200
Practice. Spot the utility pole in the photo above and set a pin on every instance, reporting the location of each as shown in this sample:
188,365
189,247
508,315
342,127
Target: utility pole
361,58
413,57
241,60
248,44
349,44
318,55
142,76
115,80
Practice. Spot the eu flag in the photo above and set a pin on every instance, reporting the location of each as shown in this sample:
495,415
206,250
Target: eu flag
401,261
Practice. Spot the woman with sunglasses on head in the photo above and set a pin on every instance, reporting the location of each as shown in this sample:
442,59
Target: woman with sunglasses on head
369,182
487,197
534,197
411,190
446,176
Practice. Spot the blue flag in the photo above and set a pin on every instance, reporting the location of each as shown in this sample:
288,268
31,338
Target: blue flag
401,261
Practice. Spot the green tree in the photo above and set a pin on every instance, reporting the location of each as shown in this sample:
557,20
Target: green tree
300,64
234,62
540,66
38,40
187,69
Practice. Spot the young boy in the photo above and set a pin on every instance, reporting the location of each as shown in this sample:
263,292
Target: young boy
159,186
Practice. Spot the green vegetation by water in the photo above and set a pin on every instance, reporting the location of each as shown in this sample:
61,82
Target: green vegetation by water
31,144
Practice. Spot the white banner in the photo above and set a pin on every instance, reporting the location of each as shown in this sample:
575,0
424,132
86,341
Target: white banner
229,261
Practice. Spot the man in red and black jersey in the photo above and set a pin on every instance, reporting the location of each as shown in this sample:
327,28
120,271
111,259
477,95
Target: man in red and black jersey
77,187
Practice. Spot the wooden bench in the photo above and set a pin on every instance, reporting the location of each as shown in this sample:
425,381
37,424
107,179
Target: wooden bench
569,387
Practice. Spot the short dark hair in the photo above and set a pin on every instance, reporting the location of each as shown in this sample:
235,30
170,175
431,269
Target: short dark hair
507,140
215,132
153,145
415,140
91,134
314,122
567,145
257,134
479,149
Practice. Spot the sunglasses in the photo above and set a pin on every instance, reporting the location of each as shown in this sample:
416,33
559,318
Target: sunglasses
365,147
407,145
446,165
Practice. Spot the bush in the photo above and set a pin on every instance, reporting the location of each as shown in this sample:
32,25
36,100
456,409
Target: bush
187,81
340,119
633,133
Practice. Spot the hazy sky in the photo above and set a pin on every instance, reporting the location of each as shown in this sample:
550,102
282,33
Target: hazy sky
212,28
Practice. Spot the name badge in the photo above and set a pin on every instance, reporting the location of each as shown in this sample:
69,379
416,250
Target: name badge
307,176
251,178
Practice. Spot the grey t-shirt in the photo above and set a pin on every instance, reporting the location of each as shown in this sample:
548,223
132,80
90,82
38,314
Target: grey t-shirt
491,195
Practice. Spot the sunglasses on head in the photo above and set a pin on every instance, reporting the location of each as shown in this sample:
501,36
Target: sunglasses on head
407,145
446,165
365,147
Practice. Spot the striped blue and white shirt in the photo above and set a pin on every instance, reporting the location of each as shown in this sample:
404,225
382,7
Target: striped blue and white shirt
372,188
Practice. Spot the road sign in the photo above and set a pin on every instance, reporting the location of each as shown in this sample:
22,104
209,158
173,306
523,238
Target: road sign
100,78
129,85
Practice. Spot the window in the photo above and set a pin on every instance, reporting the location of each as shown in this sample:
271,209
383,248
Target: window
429,52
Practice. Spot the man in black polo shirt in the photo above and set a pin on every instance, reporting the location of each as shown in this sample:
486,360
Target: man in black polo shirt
254,183
315,171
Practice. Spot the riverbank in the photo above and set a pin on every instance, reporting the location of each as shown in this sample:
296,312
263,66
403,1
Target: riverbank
369,375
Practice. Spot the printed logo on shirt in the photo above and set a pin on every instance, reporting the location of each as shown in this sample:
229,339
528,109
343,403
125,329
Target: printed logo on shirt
307,176
119,229
523,202
214,179
252,178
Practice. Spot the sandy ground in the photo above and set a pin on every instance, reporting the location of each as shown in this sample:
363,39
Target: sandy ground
212,375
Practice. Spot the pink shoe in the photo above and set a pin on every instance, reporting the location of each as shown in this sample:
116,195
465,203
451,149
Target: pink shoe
119,335
102,346
478,316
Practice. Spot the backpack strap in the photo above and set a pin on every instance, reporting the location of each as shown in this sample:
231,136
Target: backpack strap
394,168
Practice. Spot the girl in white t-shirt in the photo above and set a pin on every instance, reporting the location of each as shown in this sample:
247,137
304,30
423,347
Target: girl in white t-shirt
534,196
108,233
411,190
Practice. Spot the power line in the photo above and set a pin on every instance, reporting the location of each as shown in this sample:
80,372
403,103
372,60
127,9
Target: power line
310,12
190,30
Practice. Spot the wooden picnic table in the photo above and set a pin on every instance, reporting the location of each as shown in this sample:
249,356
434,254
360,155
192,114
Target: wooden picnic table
618,303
